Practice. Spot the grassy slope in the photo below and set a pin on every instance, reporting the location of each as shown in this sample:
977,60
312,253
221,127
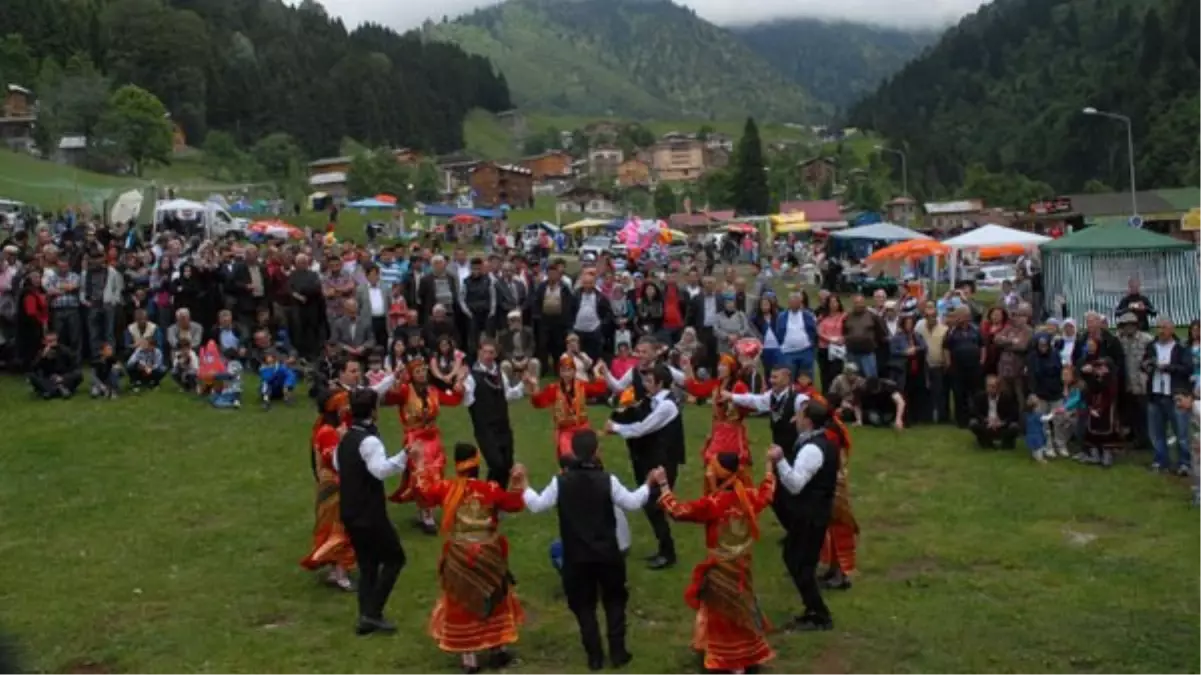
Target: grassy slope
168,540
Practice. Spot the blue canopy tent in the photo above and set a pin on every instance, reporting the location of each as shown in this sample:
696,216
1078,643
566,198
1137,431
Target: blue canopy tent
370,204
443,211
616,224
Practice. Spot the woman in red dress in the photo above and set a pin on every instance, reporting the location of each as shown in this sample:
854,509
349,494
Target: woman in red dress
730,629
331,544
729,432
418,403
478,610
569,397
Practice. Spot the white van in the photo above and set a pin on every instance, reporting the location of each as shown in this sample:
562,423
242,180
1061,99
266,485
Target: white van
212,217
9,212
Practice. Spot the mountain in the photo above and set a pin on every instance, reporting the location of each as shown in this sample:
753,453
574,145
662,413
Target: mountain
1005,90
837,62
632,58
254,68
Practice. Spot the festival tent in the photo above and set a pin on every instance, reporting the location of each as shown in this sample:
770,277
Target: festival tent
1092,267
274,229
990,236
586,224
370,204
878,232
443,211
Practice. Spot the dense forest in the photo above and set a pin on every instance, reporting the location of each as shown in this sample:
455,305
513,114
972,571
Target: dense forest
630,58
1006,87
837,62
254,68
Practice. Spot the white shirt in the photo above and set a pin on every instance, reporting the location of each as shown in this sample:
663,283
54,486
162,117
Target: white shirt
663,411
808,462
376,295
587,319
511,393
1161,383
797,338
710,311
692,291
618,385
377,460
762,402
623,500
892,325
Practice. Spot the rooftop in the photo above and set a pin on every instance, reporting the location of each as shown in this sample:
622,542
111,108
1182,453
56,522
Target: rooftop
822,210
329,161
329,178
961,206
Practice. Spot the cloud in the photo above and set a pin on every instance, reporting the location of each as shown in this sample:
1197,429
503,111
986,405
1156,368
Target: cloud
904,13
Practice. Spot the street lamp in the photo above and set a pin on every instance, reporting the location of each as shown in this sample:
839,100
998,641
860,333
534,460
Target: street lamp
904,167
1129,150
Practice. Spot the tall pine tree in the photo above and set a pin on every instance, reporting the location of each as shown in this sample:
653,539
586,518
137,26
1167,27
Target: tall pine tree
749,181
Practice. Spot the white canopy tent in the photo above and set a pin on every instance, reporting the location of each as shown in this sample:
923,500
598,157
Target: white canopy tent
879,232
990,235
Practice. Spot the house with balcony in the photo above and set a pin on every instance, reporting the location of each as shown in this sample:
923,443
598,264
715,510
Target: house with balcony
18,118
678,159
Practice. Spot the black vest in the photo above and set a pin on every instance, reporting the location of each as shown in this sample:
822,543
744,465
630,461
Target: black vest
587,525
362,494
815,503
491,409
477,294
670,439
783,428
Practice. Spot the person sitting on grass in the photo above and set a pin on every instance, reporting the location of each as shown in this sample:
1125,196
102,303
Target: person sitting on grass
226,391
994,416
185,366
881,403
55,374
106,373
271,361
145,366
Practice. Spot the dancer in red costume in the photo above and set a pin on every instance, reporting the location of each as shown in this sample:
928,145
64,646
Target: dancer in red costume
331,544
729,432
418,404
838,550
569,397
730,630
478,610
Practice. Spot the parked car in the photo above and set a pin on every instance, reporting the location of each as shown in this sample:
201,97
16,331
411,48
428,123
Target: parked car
10,211
991,276
592,247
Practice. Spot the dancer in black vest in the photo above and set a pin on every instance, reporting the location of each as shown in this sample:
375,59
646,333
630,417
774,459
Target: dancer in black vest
363,464
655,430
486,396
809,477
594,568
784,404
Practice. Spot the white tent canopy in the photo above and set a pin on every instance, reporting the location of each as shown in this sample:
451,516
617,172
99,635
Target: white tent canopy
879,232
995,235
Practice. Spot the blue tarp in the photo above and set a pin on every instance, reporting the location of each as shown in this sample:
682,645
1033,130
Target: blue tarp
443,211
370,204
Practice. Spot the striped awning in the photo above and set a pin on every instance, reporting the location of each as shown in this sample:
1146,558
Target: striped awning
1097,281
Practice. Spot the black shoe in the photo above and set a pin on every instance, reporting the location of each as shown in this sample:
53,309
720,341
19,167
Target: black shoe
832,572
661,562
652,557
471,670
596,662
368,625
810,623
620,657
501,658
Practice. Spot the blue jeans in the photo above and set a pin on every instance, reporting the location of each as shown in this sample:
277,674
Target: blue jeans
1162,411
798,362
865,362
276,380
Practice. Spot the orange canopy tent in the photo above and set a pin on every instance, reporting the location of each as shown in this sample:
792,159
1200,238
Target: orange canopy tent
908,250
387,199
1001,251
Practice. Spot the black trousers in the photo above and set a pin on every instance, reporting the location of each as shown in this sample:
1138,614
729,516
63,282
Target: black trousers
46,387
552,341
380,559
966,380
643,463
496,445
379,331
802,549
585,584
592,343
936,381
1007,434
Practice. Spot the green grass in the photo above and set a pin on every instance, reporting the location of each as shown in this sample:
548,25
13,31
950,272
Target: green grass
486,137
154,533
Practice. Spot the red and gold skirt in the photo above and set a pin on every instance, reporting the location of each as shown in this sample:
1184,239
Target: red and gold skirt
478,610
730,629
331,544
563,436
426,442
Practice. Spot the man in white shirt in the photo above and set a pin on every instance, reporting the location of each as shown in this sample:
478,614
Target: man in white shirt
592,313
363,465
590,501
796,329
1169,366
808,472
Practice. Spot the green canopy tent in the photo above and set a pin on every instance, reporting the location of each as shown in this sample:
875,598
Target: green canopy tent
1091,269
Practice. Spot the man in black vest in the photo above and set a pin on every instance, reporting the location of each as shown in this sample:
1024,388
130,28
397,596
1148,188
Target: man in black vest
593,566
785,405
478,302
655,431
808,474
362,465
486,396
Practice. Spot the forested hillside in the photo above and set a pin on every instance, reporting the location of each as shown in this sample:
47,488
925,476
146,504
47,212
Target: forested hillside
1005,88
253,68
630,58
837,62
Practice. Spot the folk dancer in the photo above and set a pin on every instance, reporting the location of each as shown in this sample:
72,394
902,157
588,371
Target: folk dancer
809,473
729,432
569,397
838,549
486,394
660,435
331,544
362,464
478,610
418,404
594,568
730,629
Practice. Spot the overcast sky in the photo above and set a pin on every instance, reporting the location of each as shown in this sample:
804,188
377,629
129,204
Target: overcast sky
405,14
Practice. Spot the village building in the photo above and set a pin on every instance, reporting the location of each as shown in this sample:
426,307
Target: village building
587,201
816,172
678,160
634,172
947,216
820,213
604,160
719,141
901,210
18,118
494,185
550,165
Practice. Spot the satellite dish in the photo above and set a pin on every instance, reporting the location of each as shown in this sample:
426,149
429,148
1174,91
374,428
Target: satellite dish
1136,222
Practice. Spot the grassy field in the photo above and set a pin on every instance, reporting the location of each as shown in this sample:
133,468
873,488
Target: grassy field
154,533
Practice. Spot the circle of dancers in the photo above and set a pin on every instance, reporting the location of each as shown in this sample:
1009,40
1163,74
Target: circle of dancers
478,614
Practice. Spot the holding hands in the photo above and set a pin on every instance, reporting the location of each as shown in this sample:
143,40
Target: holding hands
657,475
774,454
518,478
